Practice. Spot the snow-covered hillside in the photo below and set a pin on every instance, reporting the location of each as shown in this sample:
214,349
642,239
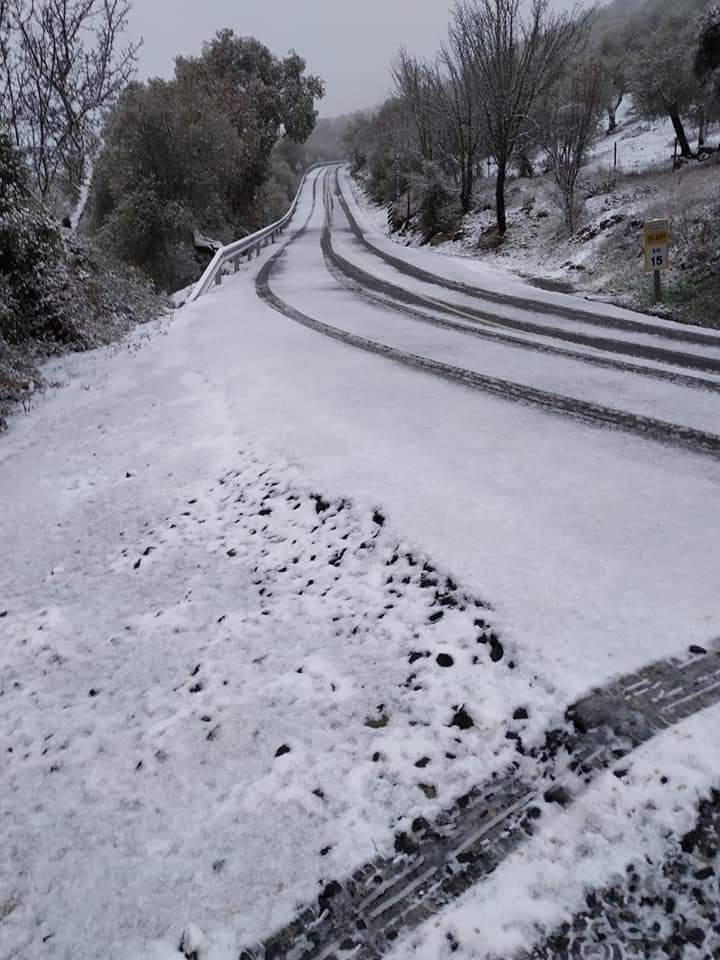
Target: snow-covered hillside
604,257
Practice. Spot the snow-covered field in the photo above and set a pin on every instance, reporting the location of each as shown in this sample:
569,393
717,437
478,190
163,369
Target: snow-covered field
224,679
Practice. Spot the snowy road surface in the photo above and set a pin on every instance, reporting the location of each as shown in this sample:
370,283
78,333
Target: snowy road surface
225,548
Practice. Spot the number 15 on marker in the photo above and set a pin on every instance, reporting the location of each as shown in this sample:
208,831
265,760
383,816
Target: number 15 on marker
657,257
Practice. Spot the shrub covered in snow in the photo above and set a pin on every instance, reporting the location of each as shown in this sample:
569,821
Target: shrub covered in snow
30,248
437,203
57,292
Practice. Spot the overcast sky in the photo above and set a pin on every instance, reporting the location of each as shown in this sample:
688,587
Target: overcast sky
349,43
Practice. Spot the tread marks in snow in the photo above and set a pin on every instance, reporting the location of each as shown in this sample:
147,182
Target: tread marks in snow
391,895
698,441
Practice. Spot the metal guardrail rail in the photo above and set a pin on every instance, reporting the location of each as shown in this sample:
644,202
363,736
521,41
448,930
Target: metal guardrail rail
231,255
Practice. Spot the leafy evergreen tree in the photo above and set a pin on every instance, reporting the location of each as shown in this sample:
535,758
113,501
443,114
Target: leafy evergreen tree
195,154
663,82
707,57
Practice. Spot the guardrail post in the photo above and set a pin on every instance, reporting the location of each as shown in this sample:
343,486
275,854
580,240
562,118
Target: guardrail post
218,277
236,264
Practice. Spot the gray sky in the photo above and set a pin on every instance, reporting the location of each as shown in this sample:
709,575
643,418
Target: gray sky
349,43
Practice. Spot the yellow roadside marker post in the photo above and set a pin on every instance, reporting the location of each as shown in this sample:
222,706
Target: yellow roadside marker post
656,243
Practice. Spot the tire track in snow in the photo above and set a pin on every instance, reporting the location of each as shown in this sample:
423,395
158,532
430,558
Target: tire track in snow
389,295
681,334
697,441
362,916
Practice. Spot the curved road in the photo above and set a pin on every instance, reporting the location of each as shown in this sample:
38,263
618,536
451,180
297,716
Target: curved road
587,361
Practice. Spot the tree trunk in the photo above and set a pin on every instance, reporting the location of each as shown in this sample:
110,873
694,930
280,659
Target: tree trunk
525,167
467,185
701,128
569,202
612,118
500,199
683,142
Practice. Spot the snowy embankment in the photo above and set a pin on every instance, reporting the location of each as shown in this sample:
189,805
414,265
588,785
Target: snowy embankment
603,259
224,678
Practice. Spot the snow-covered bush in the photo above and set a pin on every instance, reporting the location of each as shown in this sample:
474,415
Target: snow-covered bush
30,249
437,203
57,292
56,289
152,233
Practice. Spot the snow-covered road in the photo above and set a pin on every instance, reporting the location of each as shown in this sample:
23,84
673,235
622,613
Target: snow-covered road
223,679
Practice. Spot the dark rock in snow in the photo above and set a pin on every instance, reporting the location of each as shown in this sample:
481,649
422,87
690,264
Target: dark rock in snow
695,936
281,751
429,789
497,651
462,719
558,794
444,660
328,894
404,844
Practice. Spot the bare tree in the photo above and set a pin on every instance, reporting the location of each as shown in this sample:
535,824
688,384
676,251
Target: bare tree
460,109
62,64
515,60
415,86
570,123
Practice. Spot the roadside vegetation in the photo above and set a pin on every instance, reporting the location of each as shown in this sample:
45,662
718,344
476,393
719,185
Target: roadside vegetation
192,157
493,143
114,193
